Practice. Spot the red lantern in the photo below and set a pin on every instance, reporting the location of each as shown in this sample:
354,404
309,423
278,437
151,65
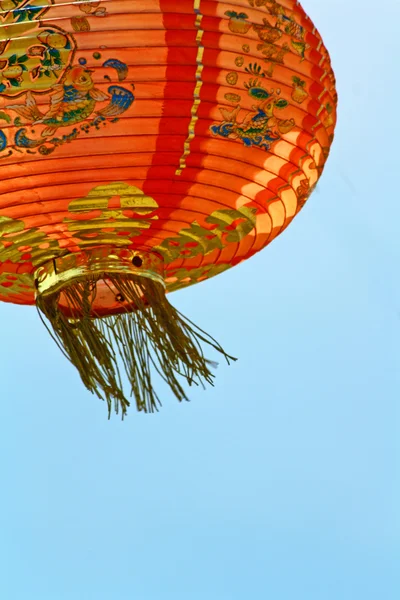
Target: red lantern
147,146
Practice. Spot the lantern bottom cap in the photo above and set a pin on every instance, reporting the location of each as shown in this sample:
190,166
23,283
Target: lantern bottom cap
108,309
97,264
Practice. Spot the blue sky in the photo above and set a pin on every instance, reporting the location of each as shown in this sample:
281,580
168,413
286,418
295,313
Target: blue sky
281,482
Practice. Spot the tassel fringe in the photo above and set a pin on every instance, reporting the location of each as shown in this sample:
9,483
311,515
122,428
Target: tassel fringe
154,337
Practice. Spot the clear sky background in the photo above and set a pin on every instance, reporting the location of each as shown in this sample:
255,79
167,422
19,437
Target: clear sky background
282,482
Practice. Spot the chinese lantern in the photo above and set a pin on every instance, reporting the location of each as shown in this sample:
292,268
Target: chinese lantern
146,146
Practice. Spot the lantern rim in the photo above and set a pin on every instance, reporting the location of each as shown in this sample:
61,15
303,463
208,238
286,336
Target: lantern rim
95,265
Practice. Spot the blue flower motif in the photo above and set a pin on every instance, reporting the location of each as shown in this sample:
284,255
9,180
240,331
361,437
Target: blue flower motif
3,141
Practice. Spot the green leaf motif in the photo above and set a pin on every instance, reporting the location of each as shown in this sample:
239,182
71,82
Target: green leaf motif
5,117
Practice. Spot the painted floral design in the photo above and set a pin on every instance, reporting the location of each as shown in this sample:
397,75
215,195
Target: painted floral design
36,59
262,126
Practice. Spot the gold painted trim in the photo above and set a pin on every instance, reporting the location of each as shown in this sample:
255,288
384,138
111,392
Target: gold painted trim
197,89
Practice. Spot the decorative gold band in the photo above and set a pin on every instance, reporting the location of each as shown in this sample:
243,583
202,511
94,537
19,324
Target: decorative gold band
58,273
199,84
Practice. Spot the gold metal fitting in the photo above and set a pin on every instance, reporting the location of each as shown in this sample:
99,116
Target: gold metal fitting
60,272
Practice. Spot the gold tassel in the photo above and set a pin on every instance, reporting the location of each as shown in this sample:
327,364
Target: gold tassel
153,337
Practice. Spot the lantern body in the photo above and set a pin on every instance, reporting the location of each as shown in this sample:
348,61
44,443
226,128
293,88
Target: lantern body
195,130
184,136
